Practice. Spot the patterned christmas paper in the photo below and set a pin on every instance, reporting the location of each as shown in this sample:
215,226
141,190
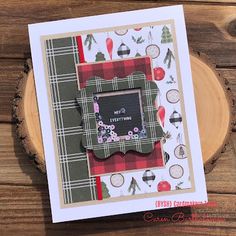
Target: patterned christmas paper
156,42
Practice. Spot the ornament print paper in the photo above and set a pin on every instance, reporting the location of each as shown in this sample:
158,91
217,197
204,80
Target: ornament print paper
59,49
150,38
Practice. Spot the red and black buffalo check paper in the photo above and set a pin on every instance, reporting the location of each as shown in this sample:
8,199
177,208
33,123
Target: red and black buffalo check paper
119,162
110,69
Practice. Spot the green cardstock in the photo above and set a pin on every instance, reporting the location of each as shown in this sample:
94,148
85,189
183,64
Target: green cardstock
142,143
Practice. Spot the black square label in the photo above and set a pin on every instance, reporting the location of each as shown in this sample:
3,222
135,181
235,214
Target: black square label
119,115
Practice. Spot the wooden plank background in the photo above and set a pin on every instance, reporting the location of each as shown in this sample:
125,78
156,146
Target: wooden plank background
24,201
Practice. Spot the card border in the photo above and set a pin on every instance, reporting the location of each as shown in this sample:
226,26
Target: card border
183,113
38,30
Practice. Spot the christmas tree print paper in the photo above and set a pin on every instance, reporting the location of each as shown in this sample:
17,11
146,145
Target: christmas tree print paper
166,36
57,49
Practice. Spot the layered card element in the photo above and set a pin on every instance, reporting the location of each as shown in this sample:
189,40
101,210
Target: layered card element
115,68
120,69
131,161
119,115
101,131
121,128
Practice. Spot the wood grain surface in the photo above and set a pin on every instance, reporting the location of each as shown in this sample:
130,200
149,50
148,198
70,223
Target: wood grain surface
24,201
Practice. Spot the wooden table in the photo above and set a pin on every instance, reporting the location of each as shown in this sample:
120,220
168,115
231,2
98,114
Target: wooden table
24,200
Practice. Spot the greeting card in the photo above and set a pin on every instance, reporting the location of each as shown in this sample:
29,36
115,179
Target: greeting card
117,113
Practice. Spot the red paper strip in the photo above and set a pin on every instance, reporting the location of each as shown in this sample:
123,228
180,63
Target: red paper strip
99,187
80,49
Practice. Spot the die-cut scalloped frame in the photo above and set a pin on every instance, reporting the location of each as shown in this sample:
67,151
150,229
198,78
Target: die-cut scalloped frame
149,91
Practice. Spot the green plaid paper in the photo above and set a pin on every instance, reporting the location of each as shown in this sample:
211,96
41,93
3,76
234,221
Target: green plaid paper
61,57
149,92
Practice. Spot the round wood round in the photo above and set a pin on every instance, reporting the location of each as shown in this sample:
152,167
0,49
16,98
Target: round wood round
212,101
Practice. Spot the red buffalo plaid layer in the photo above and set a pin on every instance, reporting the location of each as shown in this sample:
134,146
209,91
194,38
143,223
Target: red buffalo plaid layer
119,162
110,69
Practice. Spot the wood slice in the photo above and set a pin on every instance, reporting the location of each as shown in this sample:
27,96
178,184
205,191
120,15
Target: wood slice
25,112
214,106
